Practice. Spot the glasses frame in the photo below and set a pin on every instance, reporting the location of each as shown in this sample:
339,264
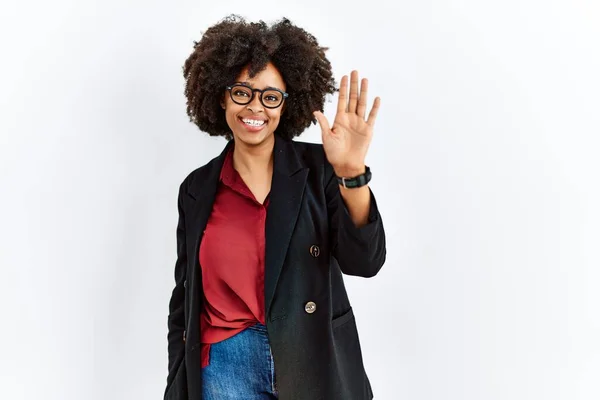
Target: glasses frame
230,87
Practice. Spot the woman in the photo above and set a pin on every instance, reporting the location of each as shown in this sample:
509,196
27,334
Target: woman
266,229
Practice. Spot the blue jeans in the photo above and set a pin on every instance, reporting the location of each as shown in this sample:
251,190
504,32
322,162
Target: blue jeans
241,368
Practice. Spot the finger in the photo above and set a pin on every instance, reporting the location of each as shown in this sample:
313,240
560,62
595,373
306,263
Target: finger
343,96
362,100
353,92
323,123
373,113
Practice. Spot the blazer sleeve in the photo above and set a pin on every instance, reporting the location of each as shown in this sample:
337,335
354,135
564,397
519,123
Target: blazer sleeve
358,251
176,317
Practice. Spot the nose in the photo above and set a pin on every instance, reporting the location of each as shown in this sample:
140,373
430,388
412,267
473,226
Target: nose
255,105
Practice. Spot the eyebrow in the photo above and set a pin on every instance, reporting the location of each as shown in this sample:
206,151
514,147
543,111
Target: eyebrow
251,86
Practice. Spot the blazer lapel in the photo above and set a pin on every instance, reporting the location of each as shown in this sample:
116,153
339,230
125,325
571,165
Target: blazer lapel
202,190
287,188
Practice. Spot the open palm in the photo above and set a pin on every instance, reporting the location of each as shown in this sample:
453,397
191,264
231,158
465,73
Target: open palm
347,141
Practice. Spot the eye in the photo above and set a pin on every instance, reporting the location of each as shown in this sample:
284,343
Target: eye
240,93
272,97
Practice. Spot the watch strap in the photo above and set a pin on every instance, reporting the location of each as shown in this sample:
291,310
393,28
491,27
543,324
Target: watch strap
357,181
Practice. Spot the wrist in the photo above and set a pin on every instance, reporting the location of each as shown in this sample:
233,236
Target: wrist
352,178
349,171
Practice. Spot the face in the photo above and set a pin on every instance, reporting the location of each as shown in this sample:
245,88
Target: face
253,123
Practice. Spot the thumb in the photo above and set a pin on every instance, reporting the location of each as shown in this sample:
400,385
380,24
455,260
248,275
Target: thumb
322,121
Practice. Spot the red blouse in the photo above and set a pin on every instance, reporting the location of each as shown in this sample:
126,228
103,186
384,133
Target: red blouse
232,256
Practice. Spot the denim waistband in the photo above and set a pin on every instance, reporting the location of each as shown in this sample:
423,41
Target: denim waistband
258,327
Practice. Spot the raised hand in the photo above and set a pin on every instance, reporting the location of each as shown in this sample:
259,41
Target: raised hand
347,141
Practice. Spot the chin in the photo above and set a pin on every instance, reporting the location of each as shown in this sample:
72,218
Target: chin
253,137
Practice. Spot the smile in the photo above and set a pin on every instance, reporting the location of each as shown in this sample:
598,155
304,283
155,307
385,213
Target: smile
253,122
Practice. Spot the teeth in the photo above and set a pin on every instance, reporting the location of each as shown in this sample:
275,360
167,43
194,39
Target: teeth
253,122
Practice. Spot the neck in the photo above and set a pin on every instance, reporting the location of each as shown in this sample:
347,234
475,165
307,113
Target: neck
253,160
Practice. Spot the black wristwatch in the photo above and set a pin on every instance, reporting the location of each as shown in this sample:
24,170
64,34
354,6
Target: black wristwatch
357,181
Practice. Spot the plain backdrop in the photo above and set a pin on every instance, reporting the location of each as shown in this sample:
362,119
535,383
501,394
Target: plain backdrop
485,166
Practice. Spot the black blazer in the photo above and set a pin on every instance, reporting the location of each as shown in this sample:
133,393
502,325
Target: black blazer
310,241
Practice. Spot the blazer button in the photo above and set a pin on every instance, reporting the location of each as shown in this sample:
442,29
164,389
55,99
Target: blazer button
184,336
315,251
185,284
310,307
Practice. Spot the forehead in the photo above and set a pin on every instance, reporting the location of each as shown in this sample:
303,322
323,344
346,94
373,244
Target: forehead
268,77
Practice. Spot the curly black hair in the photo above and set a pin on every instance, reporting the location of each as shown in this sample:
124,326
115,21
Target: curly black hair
232,44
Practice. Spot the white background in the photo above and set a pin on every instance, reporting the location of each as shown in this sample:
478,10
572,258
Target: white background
484,165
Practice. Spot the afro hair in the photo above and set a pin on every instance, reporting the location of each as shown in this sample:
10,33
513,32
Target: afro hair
232,44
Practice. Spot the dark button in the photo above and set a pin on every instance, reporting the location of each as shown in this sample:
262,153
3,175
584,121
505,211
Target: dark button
184,336
185,283
315,251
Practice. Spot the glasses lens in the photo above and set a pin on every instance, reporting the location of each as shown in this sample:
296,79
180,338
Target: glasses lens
241,94
272,98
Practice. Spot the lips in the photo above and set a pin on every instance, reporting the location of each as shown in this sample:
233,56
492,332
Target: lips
253,126
253,119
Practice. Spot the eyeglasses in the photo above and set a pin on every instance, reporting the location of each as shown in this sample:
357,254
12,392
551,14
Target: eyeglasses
270,97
